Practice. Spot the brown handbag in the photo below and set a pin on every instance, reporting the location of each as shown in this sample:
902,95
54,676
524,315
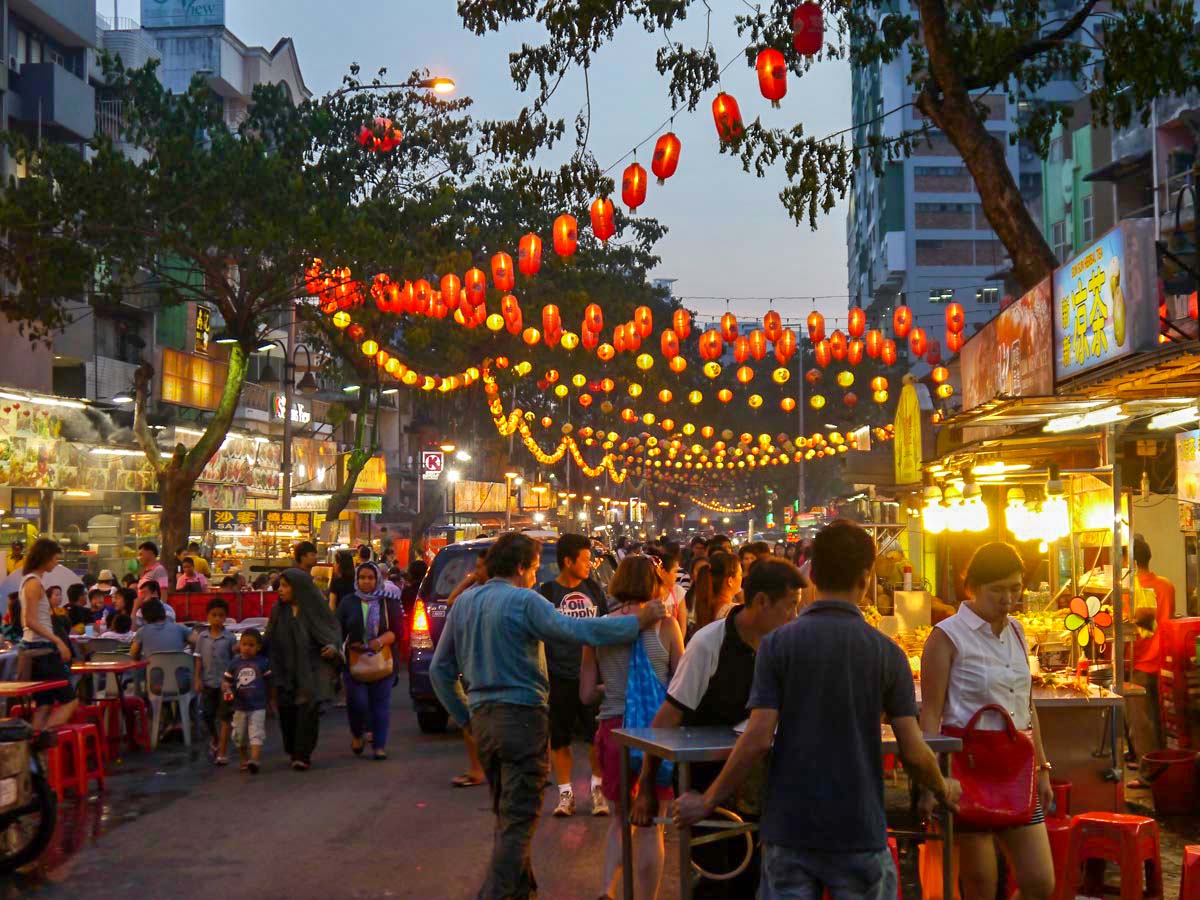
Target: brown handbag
370,666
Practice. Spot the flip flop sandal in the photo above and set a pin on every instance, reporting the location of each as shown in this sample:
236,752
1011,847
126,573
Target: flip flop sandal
357,750
466,781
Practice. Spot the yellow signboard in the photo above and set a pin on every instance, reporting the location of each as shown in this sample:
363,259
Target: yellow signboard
908,436
372,479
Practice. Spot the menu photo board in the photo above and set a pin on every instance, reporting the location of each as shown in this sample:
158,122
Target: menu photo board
1009,356
1187,466
1106,301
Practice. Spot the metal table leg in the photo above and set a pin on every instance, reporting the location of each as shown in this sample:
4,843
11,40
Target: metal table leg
626,831
684,836
947,825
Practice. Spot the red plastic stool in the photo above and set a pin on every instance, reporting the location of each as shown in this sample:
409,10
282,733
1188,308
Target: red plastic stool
88,755
112,707
137,722
66,760
1129,841
1062,799
93,715
1189,887
895,860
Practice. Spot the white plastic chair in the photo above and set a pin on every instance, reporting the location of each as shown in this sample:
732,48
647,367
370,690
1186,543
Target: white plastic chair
167,664
109,686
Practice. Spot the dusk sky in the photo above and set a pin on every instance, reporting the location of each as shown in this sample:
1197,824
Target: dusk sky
728,233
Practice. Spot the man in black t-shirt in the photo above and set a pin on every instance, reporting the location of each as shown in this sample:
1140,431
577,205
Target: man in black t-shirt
574,594
711,687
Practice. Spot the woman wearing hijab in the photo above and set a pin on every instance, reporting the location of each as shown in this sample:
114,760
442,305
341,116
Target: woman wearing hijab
370,621
304,641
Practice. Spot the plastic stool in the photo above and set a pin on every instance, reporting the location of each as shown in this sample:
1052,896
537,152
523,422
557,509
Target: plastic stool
67,753
93,715
1058,829
137,722
1189,887
1131,842
1062,799
55,756
87,767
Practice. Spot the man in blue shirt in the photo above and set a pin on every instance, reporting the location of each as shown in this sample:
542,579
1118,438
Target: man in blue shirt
493,637
820,685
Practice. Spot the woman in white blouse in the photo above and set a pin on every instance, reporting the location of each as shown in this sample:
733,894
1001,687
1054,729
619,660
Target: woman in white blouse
975,658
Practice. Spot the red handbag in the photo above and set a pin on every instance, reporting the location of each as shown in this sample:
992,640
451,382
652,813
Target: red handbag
997,774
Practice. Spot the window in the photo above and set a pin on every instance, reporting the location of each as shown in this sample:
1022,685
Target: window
1089,220
1056,149
945,253
1058,239
953,179
941,295
943,215
22,51
987,295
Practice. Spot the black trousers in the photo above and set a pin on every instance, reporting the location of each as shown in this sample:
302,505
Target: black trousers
512,743
300,724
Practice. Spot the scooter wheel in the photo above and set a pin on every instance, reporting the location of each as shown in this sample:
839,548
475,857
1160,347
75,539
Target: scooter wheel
23,841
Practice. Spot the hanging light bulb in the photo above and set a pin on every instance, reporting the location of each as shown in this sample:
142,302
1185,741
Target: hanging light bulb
975,514
1055,517
933,513
1016,516
952,498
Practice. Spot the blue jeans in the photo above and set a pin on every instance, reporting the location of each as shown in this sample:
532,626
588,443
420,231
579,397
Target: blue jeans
369,708
789,874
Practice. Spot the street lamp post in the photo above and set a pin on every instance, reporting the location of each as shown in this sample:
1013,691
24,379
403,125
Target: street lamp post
439,85
452,477
509,479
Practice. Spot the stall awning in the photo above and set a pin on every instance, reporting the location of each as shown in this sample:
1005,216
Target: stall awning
1021,411
1171,370
1120,169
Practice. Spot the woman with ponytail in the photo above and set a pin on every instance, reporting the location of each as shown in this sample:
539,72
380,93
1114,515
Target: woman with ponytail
714,595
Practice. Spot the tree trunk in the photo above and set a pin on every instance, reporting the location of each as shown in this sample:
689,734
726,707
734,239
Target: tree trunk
174,522
948,103
358,457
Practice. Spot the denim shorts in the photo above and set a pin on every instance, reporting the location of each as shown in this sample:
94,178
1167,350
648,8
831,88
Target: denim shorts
789,874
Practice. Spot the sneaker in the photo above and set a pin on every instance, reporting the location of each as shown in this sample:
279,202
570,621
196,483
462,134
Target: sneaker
599,804
566,804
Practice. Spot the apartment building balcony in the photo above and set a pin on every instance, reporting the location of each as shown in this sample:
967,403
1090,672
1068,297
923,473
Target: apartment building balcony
70,22
891,263
53,99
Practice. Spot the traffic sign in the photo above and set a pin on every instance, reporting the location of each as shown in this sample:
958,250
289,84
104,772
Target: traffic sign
431,464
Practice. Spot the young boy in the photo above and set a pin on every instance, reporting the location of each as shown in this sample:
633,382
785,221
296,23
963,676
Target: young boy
246,686
214,648
100,601
120,629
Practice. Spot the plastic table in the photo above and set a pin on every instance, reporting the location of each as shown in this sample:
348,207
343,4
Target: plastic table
684,746
27,689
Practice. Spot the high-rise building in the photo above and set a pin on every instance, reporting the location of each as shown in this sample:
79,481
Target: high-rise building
918,234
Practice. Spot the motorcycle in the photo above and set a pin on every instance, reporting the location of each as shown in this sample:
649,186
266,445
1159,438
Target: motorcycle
28,805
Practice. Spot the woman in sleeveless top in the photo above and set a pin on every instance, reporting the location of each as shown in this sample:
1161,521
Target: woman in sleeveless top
54,654
975,658
638,580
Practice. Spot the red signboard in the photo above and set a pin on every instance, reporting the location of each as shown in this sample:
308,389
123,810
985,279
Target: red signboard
1011,355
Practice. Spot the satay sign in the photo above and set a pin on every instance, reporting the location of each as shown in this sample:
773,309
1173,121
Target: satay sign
1106,301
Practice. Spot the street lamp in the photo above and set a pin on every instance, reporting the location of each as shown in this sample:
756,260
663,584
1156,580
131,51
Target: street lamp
452,476
439,85
307,385
510,478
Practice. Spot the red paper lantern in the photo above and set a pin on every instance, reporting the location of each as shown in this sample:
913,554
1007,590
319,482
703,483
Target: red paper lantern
510,308
450,285
619,338
421,296
902,320
813,376
934,355
954,342
772,75
590,340
857,322
816,327
566,235
918,343
758,344
956,319
850,399
503,276
729,328
727,118
355,332
666,157
605,352
633,186
633,337
681,323
888,354
381,136
772,326
874,343
531,336
879,383
551,320
669,341
643,321
677,364
837,345
724,395
854,352
823,353
529,254
940,374
785,347
601,212
808,29
741,349
593,318
475,284
710,344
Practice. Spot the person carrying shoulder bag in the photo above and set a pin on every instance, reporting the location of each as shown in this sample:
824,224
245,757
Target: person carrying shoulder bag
369,618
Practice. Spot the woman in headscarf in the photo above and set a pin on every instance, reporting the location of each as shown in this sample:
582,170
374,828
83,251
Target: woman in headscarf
371,621
304,640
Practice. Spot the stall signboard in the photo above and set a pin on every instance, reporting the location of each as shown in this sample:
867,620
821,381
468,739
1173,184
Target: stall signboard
287,520
371,506
182,13
1106,301
27,505
908,436
301,414
233,519
1187,466
373,477
479,496
1009,356
188,379
202,333
218,496
250,461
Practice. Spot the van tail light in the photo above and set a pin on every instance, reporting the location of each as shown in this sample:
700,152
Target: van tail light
421,638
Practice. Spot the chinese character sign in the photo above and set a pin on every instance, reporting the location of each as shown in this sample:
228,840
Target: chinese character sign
1187,466
232,519
1106,301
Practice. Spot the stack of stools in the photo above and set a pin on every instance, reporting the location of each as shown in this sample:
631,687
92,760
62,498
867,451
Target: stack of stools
1130,842
1189,889
137,722
1058,829
91,713
80,748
